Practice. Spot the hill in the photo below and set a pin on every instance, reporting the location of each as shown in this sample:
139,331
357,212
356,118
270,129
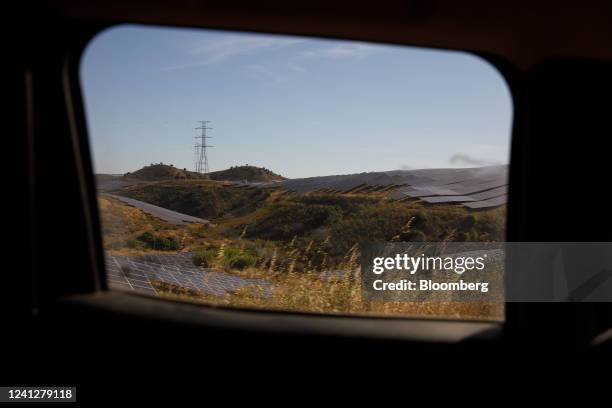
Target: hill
160,171
249,174
208,199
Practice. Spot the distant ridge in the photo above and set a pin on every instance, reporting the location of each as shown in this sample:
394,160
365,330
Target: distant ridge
250,174
160,171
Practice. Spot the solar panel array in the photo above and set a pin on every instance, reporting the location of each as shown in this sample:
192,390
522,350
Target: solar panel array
137,272
447,199
494,192
492,202
475,188
165,214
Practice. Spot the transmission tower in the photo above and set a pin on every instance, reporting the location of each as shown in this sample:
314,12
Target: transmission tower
200,156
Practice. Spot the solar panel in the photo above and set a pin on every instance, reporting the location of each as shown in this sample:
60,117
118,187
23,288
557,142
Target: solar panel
446,199
495,192
418,178
475,181
493,202
159,212
136,273
455,190
479,187
431,191
400,193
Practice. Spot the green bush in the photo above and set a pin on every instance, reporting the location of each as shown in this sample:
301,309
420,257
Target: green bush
235,258
288,219
168,244
157,242
467,223
243,261
204,257
147,238
421,220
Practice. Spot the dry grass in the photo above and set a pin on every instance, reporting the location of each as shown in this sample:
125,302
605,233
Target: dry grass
312,293
122,223
294,269
315,290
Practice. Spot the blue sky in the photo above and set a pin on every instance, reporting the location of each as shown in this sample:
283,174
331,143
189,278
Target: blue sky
298,106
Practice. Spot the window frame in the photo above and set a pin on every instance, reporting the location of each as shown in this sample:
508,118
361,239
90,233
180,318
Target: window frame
412,328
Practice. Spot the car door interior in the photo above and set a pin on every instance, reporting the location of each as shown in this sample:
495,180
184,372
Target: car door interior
59,309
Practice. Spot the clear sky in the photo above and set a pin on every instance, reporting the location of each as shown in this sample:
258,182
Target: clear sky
298,106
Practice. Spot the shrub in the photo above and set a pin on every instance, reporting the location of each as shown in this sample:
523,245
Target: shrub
421,220
467,223
204,257
147,238
167,244
286,220
243,261
414,236
153,241
236,258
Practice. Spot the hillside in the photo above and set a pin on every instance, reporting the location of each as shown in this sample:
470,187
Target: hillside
249,174
208,199
160,171
303,236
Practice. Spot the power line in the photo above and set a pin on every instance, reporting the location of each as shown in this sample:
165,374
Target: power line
200,154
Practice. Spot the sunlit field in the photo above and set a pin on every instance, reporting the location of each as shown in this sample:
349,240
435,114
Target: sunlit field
297,252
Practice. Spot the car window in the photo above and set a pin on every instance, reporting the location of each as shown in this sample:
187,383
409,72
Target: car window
253,170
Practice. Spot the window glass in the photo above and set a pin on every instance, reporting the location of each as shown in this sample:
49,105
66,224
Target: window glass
250,170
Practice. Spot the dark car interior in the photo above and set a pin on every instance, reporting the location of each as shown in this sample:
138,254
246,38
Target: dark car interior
63,325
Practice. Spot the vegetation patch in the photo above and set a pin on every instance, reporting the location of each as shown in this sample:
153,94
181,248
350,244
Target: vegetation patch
203,199
157,242
313,293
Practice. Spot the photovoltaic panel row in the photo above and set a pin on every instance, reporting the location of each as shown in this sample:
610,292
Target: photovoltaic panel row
473,177
401,193
455,190
492,202
495,192
499,180
479,187
446,199
426,178
137,272
480,197
159,212
446,177
411,192
430,191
